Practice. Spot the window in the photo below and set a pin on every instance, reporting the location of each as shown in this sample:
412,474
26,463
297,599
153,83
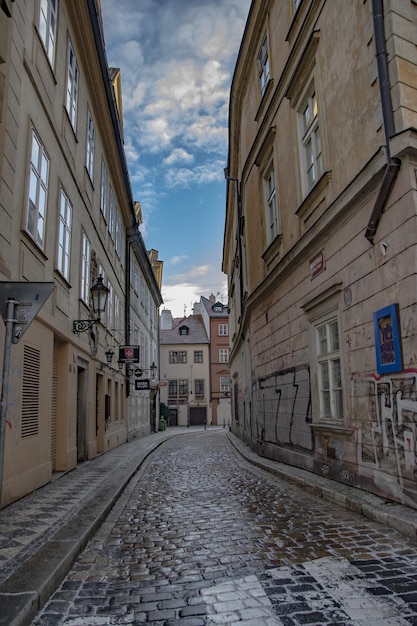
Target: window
177,356
199,387
118,233
103,189
223,355
117,320
224,384
109,307
72,85
184,330
38,191
64,235
112,210
329,370
312,162
198,356
91,135
85,269
172,387
263,65
271,205
183,387
47,27
223,330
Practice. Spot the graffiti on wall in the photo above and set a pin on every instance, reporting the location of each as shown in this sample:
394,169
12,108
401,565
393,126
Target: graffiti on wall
387,439
282,408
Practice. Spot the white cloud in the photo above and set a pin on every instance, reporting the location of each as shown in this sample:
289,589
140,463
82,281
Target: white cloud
177,156
177,259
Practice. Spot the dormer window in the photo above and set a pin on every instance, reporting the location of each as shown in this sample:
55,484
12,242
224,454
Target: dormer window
218,307
184,330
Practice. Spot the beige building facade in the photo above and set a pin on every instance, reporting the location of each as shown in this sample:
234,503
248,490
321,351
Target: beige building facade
66,217
185,370
320,239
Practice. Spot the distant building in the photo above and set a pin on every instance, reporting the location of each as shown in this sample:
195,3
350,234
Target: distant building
185,369
216,321
320,239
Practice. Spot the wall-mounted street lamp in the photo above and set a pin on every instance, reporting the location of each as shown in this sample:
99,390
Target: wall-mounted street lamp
109,355
99,294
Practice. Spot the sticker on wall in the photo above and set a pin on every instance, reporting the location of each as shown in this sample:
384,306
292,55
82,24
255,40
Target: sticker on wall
387,340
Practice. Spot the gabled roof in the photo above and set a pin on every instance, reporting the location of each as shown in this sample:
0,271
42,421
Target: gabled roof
196,331
210,308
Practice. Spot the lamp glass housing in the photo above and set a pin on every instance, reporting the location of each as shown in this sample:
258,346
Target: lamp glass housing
99,294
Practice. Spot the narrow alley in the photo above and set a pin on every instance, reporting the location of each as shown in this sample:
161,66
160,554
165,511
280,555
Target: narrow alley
202,537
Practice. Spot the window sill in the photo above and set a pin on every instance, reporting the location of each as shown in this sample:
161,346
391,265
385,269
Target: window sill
272,252
313,197
333,428
264,97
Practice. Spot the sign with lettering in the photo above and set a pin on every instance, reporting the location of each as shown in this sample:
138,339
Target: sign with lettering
317,264
129,354
140,385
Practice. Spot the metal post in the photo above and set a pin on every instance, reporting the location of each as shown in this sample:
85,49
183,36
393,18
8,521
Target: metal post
5,382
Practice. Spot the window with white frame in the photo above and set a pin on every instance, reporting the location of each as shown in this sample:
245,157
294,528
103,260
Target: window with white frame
73,77
311,154
110,307
117,233
38,190
223,330
271,204
112,211
85,269
263,65
178,356
91,138
117,320
199,386
224,384
103,189
183,387
64,235
198,356
330,388
223,355
172,387
47,26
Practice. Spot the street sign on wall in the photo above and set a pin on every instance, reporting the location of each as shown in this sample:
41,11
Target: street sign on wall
28,298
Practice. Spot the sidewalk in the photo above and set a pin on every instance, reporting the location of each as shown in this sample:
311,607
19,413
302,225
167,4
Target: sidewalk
42,534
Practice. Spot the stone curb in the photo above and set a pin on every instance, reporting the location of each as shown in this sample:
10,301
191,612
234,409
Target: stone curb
396,516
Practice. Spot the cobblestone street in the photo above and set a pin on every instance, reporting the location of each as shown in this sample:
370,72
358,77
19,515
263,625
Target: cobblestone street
201,537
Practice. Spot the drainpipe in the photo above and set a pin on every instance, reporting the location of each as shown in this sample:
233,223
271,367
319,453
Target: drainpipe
393,164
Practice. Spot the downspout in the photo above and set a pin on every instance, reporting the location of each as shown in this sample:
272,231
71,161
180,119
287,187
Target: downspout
393,164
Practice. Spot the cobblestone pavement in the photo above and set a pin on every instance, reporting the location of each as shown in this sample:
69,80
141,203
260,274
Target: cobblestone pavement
201,537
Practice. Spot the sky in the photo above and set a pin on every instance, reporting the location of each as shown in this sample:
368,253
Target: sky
177,59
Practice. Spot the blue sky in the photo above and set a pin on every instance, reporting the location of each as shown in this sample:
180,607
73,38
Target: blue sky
177,59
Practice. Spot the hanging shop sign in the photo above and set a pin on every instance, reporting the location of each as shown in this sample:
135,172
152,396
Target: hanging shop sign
129,354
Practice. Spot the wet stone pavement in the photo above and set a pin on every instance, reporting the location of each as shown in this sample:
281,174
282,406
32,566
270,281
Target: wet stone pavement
201,537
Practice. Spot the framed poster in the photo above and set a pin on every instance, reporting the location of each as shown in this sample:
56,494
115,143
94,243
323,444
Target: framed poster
387,340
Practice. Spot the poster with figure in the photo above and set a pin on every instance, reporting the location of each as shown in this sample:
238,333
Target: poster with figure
387,340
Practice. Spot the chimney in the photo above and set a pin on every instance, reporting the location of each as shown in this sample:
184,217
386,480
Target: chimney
212,298
166,320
